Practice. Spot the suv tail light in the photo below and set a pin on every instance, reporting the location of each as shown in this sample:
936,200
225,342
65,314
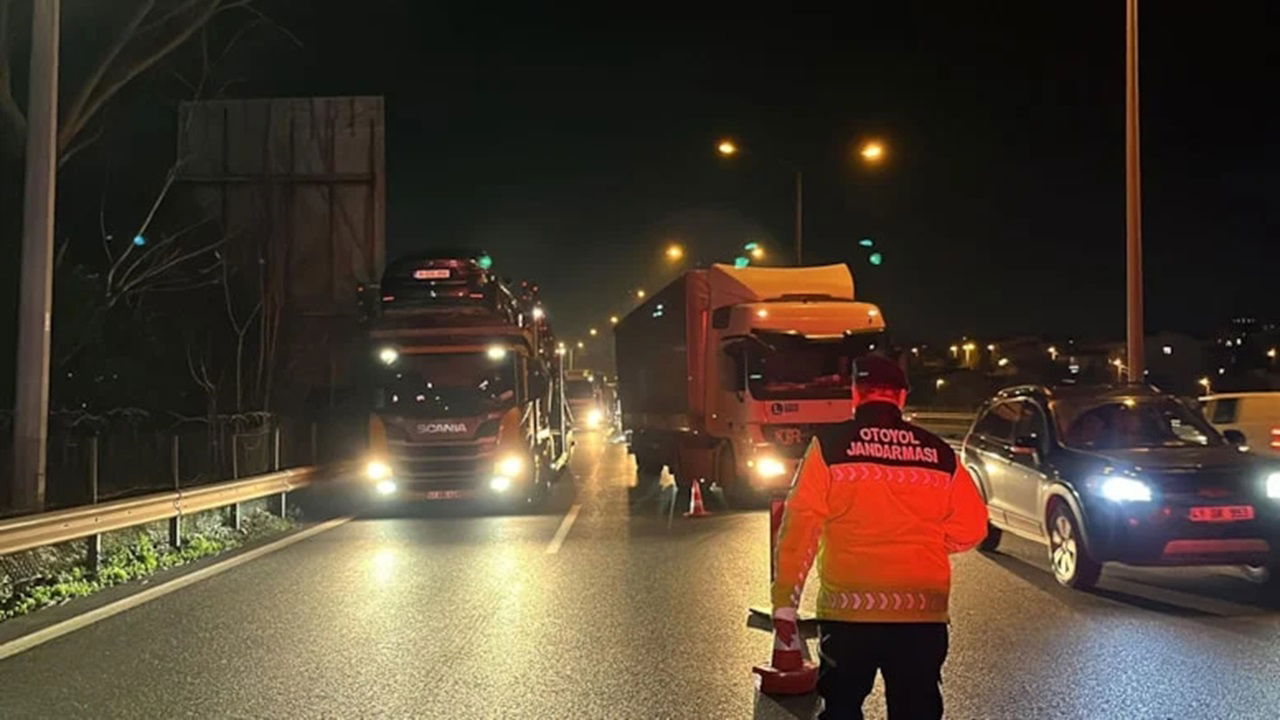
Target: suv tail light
1275,438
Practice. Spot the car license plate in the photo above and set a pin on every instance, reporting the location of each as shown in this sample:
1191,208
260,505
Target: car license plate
425,274
1222,513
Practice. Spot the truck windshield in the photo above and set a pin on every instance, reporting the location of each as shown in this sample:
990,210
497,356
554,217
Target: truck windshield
790,366
448,385
579,389
1131,423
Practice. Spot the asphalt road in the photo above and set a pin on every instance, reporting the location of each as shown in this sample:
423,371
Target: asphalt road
634,613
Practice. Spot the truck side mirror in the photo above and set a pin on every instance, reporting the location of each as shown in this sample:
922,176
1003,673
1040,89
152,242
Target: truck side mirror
1235,437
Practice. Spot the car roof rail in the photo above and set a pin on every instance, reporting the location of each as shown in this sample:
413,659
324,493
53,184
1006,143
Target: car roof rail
1024,390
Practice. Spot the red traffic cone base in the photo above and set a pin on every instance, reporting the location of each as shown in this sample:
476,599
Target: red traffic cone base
800,681
696,510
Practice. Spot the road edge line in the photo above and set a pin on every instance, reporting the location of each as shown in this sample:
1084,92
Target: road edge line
38,637
562,532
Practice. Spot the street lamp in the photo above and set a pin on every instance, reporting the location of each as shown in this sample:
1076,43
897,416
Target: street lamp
727,148
872,151
674,252
593,332
968,350
613,319
640,294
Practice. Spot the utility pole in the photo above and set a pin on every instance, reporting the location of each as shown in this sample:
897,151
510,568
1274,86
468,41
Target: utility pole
799,218
1133,197
31,412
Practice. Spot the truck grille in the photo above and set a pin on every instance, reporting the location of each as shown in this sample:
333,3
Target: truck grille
426,463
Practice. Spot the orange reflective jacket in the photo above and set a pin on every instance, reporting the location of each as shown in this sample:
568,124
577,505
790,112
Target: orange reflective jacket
887,502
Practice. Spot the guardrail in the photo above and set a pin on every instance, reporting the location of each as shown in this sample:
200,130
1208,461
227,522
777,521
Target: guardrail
91,521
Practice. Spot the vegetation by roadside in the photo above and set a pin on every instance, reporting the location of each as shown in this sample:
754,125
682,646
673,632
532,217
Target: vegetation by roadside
51,576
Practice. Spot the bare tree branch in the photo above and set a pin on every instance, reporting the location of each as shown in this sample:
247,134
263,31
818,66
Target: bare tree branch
13,124
73,110
98,96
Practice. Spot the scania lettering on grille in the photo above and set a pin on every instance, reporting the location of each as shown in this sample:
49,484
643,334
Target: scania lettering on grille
436,428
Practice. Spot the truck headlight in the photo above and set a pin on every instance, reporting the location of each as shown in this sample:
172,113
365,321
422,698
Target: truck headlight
388,355
509,467
499,483
1123,489
1273,486
385,487
770,467
594,418
377,470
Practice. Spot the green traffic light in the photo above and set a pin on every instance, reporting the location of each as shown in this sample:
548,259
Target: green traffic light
485,262
751,246
866,242
875,258
741,262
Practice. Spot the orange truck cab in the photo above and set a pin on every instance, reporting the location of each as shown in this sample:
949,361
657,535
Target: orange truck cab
468,396
726,373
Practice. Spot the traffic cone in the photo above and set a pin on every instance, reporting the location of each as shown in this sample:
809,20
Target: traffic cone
696,510
788,673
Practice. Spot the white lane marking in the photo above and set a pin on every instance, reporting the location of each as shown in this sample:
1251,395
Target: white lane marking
44,635
563,532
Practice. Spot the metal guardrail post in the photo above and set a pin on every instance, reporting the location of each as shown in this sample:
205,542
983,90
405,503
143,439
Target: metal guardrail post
175,522
276,505
93,553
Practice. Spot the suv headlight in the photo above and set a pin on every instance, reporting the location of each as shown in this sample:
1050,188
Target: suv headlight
1125,489
1273,486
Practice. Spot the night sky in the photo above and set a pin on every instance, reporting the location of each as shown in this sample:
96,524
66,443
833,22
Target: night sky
573,143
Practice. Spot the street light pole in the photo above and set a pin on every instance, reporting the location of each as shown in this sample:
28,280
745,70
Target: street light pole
1133,197
31,410
799,217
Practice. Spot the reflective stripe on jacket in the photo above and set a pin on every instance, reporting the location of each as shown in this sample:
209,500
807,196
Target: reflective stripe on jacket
886,502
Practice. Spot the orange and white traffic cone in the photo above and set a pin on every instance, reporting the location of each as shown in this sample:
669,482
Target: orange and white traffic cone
788,673
696,510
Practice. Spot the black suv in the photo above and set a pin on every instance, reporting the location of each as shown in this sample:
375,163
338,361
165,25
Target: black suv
1124,474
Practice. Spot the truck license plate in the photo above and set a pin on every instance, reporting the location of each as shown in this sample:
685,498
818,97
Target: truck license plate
431,274
1222,513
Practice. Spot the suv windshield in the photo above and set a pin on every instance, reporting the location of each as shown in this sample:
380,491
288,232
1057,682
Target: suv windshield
1131,423
451,385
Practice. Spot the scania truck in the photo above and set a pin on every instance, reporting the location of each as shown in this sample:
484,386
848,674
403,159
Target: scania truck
726,373
468,388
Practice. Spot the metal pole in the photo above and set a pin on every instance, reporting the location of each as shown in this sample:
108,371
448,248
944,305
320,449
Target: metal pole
799,218
31,410
1133,197
175,522
94,559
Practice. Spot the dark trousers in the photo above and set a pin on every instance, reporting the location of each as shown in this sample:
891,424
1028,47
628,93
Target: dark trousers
909,655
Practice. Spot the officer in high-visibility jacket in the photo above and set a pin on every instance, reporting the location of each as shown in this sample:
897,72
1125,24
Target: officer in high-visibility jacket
887,502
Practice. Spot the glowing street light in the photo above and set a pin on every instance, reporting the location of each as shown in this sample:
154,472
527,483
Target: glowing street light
581,345
937,384
640,294
757,253
727,148
613,319
872,151
1053,352
674,252
1204,383
593,332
